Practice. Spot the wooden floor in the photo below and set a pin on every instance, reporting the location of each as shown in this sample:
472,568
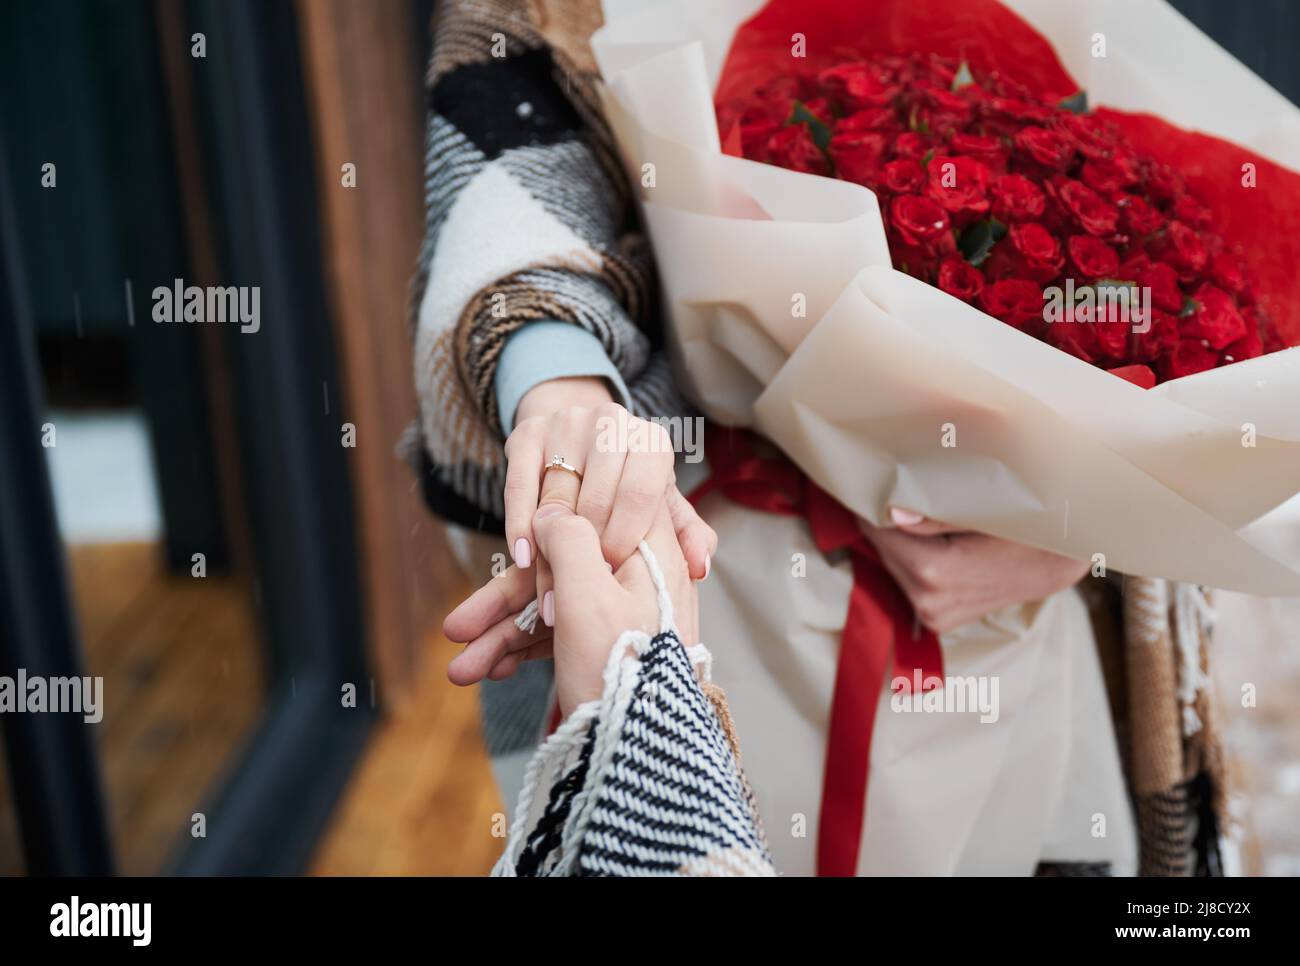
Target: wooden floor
422,800
181,662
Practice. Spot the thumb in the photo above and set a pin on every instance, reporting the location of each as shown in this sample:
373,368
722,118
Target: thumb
572,548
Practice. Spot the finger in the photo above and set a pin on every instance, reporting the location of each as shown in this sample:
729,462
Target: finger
523,473
483,653
642,490
916,562
568,440
919,525
570,545
697,539
545,591
506,594
634,575
508,665
604,466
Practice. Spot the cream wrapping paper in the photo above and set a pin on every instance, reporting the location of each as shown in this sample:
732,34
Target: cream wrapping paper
861,386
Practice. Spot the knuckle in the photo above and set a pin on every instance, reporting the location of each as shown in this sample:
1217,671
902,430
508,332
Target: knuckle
617,544
639,498
927,575
612,410
524,433
594,503
571,417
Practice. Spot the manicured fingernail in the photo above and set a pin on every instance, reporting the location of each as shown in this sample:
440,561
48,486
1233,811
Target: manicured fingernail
523,553
905,518
548,608
708,560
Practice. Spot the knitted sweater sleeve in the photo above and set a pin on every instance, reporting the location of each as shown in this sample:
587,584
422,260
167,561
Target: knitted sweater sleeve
644,781
528,217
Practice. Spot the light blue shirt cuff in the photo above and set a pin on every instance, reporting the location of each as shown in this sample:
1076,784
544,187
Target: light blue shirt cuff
545,350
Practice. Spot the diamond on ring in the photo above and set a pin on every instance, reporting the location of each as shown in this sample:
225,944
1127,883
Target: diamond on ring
558,463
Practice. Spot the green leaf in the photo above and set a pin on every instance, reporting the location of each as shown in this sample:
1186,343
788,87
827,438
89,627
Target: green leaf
978,240
914,123
1190,305
926,158
1076,103
963,77
818,129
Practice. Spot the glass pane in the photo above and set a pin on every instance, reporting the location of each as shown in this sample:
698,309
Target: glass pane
138,432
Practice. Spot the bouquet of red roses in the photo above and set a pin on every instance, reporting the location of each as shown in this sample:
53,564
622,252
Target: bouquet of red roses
998,195
897,239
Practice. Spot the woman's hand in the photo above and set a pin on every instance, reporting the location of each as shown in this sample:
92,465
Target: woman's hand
593,606
627,476
953,577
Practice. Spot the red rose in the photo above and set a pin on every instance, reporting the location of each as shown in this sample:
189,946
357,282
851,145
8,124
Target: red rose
1077,338
1163,282
1109,176
1092,257
1182,249
918,219
1159,337
1018,110
1045,147
903,176
1227,274
1249,345
911,144
858,154
871,119
960,185
1016,301
1016,198
1187,357
990,150
943,110
1191,212
1140,218
1163,183
858,85
793,147
961,279
1111,331
1216,319
1095,214
1039,250
1086,132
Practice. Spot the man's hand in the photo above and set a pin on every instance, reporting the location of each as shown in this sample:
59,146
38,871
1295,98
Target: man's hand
953,577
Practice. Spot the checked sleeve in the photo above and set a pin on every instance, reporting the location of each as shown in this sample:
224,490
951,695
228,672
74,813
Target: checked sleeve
528,218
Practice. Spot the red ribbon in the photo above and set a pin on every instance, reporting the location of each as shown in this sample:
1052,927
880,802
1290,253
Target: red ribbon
880,624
